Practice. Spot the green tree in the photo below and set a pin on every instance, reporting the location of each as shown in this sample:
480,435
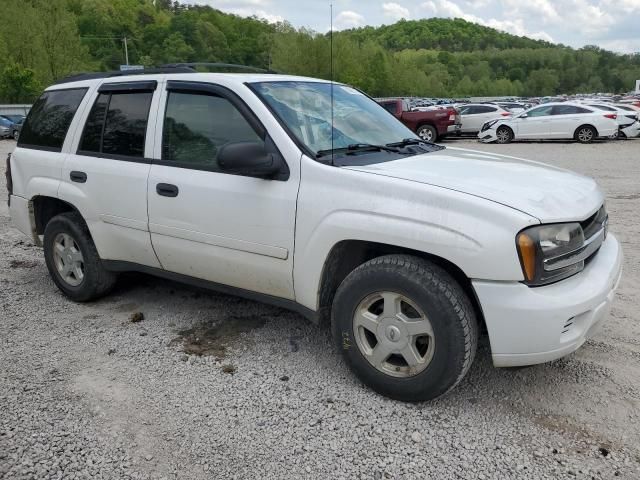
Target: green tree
18,84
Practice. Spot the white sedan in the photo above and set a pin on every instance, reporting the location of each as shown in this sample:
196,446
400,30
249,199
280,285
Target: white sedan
475,115
552,121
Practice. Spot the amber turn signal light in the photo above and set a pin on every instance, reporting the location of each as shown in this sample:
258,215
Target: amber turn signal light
527,249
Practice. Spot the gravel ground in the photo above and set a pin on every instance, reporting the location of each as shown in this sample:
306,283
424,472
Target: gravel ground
87,393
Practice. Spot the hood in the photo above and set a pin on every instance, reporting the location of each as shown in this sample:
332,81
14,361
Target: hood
543,191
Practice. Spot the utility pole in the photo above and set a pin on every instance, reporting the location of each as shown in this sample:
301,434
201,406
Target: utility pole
126,51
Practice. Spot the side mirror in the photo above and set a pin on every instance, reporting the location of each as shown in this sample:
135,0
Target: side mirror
524,115
248,158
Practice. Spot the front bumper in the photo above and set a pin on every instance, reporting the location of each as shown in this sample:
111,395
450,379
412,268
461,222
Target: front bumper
536,325
487,136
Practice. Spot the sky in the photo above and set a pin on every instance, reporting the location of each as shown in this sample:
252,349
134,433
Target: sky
610,24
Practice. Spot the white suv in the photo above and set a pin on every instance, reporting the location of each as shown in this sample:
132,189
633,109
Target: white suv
252,184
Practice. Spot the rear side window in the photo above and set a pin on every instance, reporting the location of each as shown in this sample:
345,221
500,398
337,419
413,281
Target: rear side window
389,106
569,110
49,119
197,125
117,124
485,109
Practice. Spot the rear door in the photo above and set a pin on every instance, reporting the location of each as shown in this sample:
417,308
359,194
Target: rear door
229,229
565,120
106,175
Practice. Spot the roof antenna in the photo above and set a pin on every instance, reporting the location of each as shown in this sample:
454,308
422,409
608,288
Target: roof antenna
331,68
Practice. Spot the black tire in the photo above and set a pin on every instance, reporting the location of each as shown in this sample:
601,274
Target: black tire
585,134
504,135
427,133
16,135
446,306
97,281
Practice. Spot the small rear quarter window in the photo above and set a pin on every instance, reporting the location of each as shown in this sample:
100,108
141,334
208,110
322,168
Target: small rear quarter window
49,119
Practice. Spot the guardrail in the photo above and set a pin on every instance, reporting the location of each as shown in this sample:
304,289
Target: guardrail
14,109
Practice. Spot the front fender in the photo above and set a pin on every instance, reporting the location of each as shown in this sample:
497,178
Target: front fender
476,235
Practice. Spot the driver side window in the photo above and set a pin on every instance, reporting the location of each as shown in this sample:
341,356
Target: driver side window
540,111
197,125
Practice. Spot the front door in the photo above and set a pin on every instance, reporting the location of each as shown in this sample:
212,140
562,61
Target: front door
536,124
229,229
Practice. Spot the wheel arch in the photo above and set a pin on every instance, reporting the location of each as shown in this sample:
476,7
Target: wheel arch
347,255
575,133
43,208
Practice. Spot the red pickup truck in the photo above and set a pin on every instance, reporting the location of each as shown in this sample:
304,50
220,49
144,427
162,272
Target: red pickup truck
431,125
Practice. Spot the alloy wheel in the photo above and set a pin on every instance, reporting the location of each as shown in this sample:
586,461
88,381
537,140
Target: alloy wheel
503,135
393,334
585,135
426,134
68,259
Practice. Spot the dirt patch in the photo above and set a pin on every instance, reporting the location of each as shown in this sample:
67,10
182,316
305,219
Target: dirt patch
563,426
212,339
23,264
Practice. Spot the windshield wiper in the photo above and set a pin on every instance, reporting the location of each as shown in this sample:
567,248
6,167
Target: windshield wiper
430,146
357,147
407,141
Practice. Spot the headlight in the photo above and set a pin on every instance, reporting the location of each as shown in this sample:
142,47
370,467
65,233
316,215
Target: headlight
488,125
549,253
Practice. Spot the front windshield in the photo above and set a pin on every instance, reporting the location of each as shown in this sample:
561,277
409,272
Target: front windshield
305,108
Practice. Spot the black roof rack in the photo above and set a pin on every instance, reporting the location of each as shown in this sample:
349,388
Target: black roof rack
168,68
147,71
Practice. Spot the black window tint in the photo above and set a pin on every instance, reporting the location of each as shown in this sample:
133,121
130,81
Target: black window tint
92,135
126,124
485,109
389,106
117,124
49,119
196,126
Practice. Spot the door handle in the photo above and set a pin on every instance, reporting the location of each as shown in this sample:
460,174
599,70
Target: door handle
166,190
78,177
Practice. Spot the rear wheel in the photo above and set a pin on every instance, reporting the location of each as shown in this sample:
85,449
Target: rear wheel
72,259
427,133
504,135
585,134
405,327
16,134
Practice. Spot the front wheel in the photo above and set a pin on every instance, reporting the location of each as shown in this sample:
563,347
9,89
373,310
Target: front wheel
72,259
405,327
427,133
16,135
504,135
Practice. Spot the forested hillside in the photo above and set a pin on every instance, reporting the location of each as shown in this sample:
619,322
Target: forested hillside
44,40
